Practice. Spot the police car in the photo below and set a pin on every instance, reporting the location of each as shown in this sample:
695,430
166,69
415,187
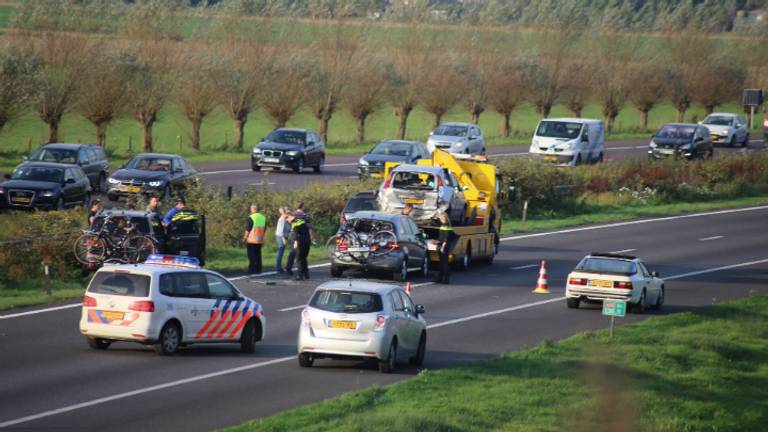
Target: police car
168,302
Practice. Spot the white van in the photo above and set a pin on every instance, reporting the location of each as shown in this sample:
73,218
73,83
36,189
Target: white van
569,141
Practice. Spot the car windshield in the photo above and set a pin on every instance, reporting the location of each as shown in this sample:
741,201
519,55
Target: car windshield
558,129
287,137
55,155
392,148
346,301
150,164
368,226
451,130
413,180
123,284
38,173
718,120
607,265
676,131
357,204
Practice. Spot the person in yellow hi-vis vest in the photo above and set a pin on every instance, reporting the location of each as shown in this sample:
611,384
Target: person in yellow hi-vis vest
254,238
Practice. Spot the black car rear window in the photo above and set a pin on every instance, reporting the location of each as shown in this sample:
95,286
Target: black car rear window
346,301
607,265
358,204
123,284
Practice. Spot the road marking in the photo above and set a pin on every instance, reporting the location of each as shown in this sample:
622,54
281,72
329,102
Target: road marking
342,164
522,267
422,284
262,184
225,172
711,238
622,251
193,379
291,308
39,311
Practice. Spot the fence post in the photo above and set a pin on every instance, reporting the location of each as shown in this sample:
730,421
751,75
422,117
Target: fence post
29,146
229,193
130,145
47,278
525,210
180,142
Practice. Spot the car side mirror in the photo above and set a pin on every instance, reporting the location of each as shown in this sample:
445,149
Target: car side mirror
420,309
655,274
69,181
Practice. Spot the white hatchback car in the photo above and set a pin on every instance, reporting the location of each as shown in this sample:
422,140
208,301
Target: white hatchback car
168,302
362,320
601,277
727,128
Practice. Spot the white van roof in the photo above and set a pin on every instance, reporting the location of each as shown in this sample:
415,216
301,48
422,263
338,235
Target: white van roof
573,120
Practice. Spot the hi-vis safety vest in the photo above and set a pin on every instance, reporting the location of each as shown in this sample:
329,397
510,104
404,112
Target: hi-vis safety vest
256,236
184,216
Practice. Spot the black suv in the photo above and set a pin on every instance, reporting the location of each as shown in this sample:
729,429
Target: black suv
293,149
90,157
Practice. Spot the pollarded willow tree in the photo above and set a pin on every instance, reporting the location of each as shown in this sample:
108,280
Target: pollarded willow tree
649,88
506,92
196,92
364,92
442,85
611,85
18,71
286,77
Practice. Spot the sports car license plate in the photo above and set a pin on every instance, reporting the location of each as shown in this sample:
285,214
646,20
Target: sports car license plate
413,201
351,325
132,189
113,316
271,160
359,249
22,200
601,283
550,158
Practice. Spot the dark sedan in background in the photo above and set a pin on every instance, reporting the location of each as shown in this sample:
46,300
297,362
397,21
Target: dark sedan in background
45,186
372,163
293,149
681,140
151,174
90,157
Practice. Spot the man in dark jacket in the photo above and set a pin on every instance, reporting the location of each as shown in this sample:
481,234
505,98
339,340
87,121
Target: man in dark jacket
301,240
299,214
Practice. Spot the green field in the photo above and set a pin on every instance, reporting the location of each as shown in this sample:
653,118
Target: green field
704,370
172,132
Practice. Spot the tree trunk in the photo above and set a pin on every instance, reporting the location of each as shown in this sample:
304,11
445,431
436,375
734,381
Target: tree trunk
239,131
196,123
680,115
505,130
709,109
437,119
324,127
644,119
475,117
361,128
146,136
545,109
101,133
577,112
53,130
402,122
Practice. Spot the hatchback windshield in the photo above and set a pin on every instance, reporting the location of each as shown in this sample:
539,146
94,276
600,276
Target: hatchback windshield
392,148
39,173
558,129
413,180
606,265
346,301
718,120
451,130
55,155
124,284
149,164
676,131
287,137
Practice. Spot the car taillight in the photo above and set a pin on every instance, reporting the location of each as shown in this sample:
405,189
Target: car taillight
387,246
142,306
89,301
388,181
305,321
342,244
577,281
381,322
623,285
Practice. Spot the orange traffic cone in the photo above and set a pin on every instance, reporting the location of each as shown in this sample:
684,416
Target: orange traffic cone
542,287
408,287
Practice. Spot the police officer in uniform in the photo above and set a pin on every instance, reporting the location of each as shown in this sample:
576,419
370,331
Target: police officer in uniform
301,240
254,238
444,246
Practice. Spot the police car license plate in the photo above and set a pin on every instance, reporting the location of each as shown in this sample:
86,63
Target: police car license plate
113,316
271,160
359,249
601,283
550,158
132,189
413,201
351,325
22,200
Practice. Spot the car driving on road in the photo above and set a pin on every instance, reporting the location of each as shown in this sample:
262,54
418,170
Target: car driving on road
294,149
464,138
45,186
362,320
602,276
727,128
681,140
90,157
151,174
429,189
168,302
372,163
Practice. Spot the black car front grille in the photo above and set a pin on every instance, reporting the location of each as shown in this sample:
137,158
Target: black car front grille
20,197
137,183
666,146
272,153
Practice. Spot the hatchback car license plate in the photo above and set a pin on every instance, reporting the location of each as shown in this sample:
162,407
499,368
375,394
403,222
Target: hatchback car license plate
359,249
550,158
601,283
133,189
113,316
22,200
351,325
413,201
271,160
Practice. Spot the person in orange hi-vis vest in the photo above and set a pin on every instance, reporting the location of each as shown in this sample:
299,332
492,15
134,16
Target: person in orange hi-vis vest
254,238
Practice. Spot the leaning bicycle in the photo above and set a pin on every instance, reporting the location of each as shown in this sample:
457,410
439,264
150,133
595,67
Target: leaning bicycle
102,245
361,248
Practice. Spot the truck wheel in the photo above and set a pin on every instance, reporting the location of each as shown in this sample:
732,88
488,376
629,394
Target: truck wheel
463,264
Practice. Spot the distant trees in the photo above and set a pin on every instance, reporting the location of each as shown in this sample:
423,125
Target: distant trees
649,86
287,77
405,74
506,89
18,72
196,91
442,86
364,92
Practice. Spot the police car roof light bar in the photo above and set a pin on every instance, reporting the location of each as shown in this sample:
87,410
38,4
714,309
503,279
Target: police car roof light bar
173,260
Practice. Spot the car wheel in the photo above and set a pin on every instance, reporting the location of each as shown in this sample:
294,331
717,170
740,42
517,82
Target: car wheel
600,158
573,303
320,165
418,359
337,271
402,274
248,337
463,265
639,308
730,142
87,200
305,360
99,343
170,339
425,265
745,143
299,167
388,364
60,203
660,298
255,166
101,185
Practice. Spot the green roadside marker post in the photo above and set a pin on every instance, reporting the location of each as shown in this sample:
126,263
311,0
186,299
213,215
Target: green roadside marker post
614,308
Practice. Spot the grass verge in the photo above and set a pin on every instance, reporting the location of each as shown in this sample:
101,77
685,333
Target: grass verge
233,260
708,370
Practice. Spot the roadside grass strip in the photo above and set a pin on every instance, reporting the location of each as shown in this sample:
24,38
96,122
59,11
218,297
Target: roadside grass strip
701,370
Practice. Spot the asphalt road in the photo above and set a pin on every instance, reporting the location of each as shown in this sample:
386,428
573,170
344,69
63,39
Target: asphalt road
239,175
50,379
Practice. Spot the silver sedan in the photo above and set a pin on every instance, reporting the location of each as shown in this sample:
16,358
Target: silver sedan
362,320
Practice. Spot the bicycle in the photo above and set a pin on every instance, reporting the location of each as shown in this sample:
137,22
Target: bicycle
98,247
347,241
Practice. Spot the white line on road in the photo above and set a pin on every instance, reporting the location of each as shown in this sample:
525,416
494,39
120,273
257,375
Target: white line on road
291,308
711,238
262,184
193,379
225,172
522,267
34,312
623,251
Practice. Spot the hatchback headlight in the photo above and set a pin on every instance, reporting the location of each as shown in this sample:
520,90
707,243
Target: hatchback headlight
460,143
156,183
363,162
112,181
48,193
292,153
